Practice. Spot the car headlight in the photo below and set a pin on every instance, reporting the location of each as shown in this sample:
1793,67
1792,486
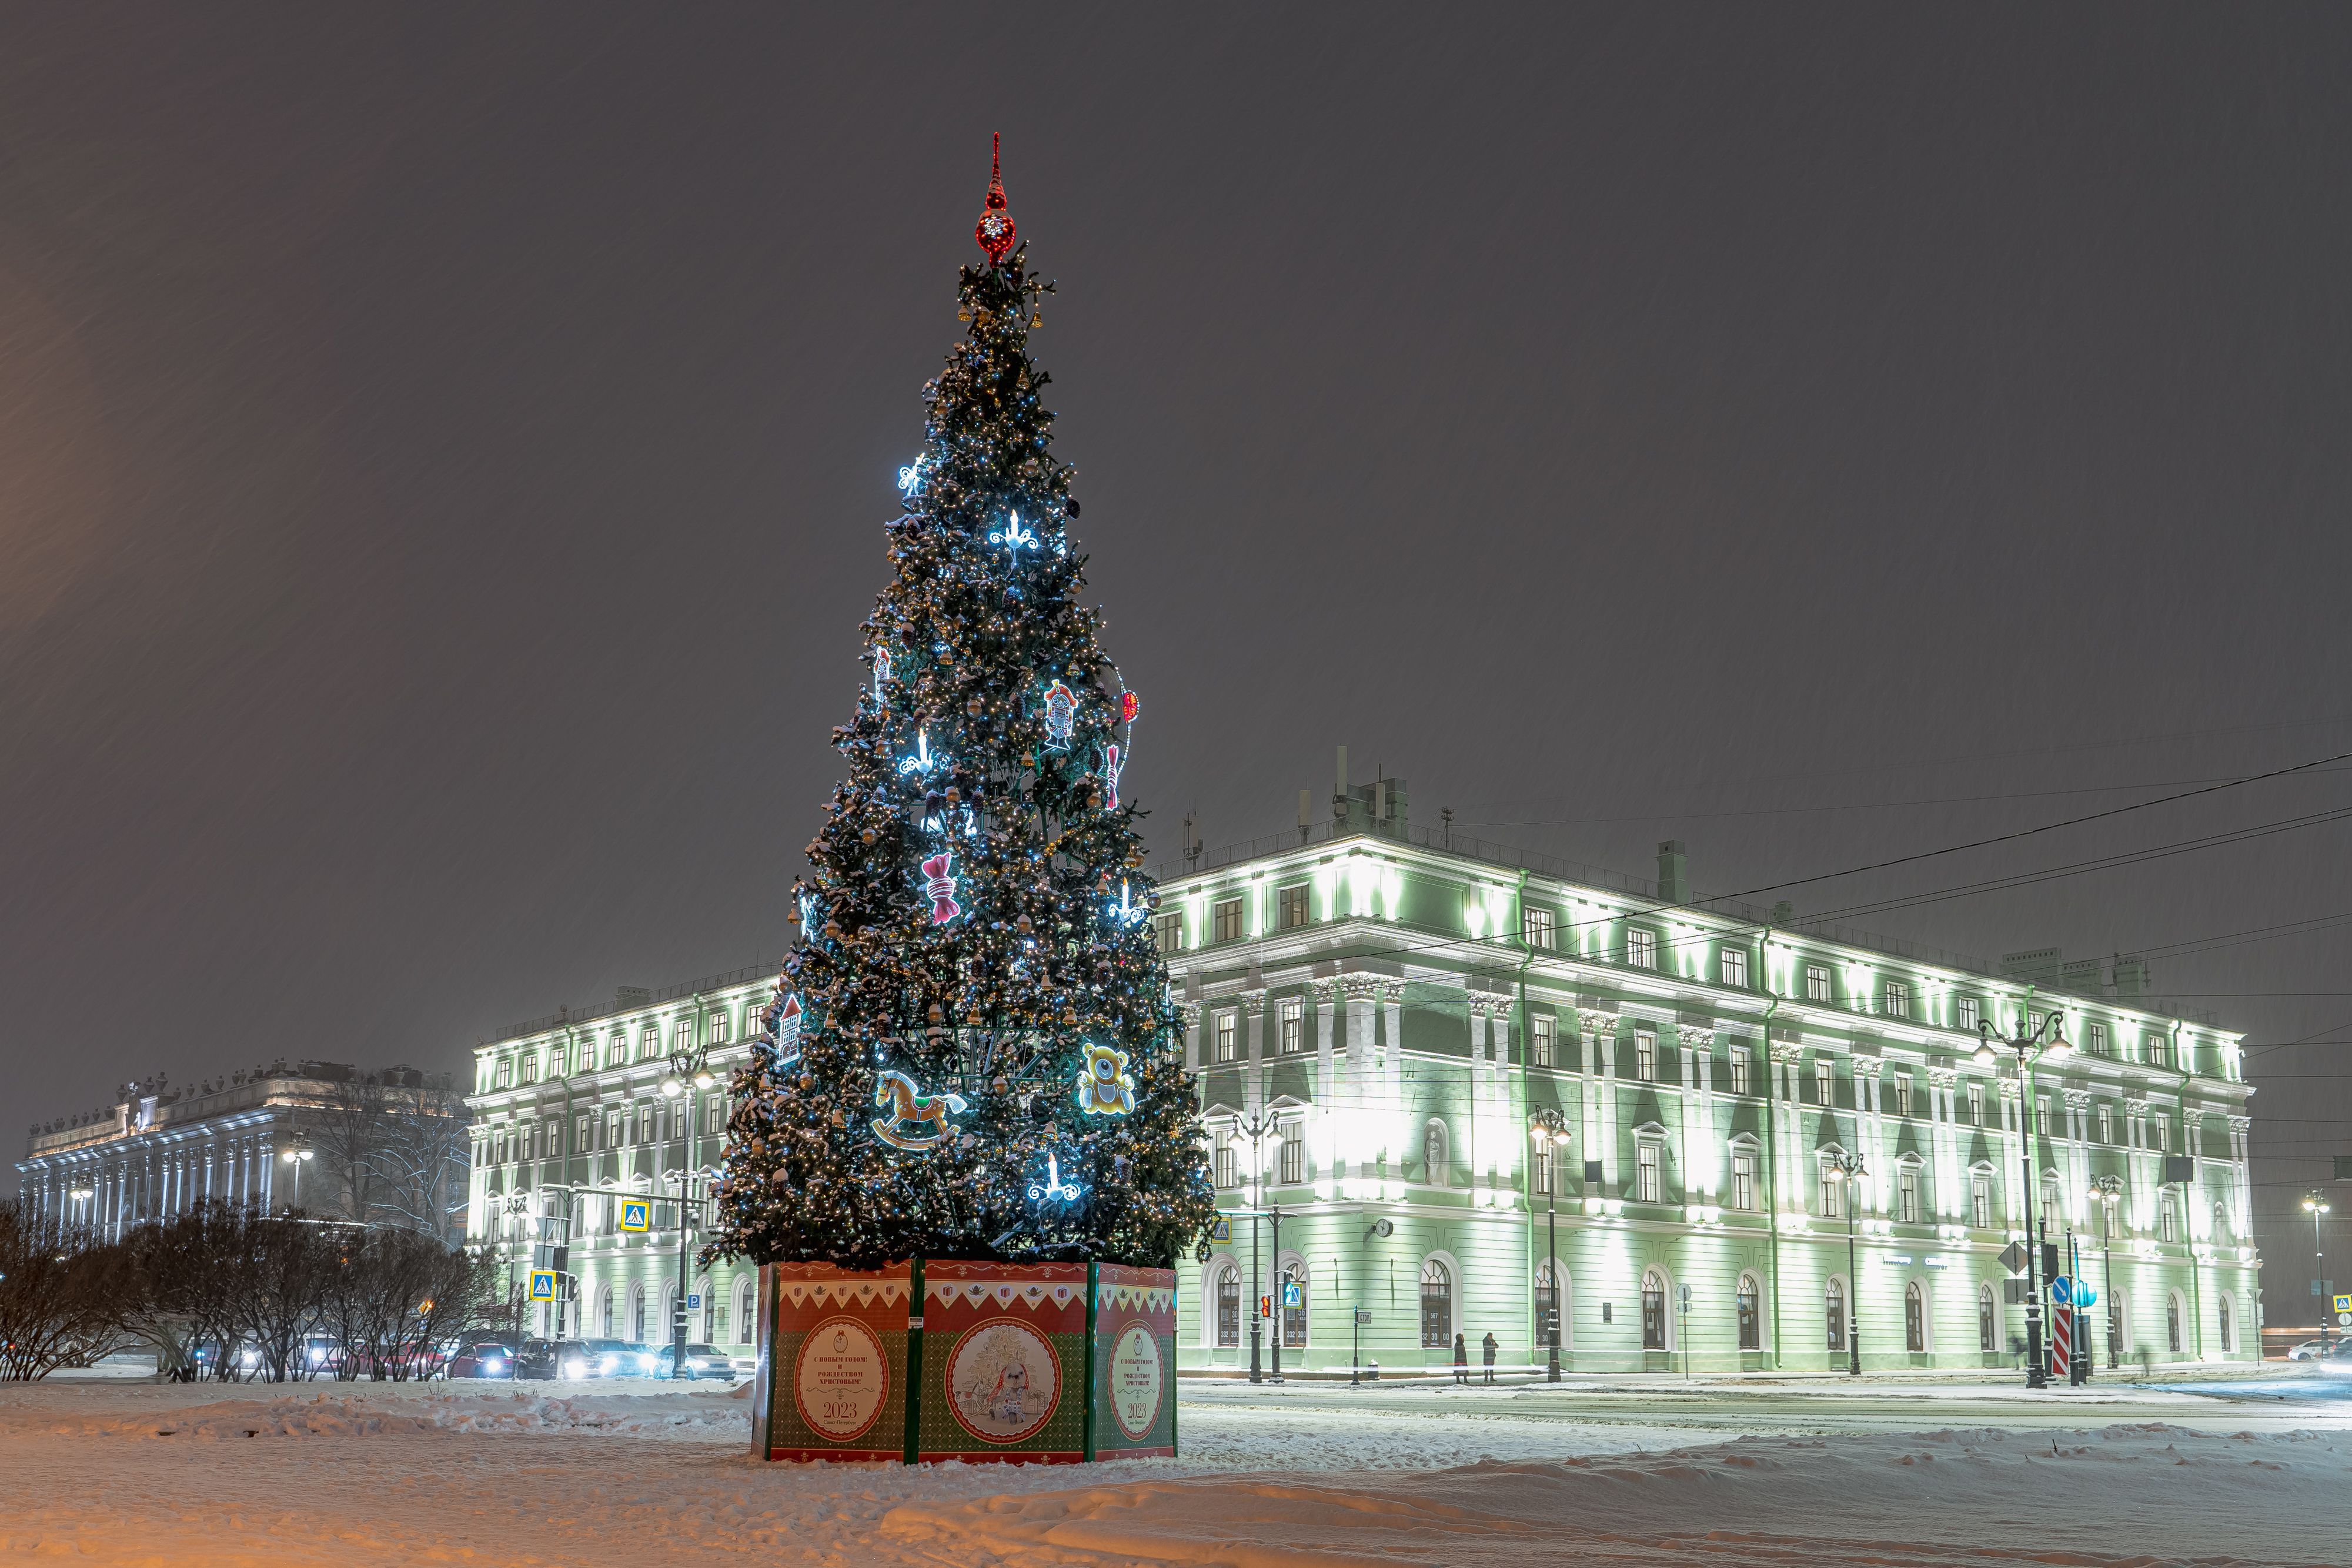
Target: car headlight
609,1366
574,1368
492,1364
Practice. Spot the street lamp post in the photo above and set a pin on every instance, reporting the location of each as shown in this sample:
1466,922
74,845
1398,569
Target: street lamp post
2107,1191
690,1075
1846,1170
1254,1127
297,1153
2314,1203
2031,1048
1549,1128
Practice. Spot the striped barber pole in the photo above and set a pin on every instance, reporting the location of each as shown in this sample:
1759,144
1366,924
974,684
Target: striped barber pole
2062,1341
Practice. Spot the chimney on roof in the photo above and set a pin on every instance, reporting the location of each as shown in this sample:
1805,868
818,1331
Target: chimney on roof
2134,978
633,997
1674,873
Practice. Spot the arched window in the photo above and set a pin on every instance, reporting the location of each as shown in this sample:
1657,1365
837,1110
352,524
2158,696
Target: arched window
746,1330
638,1325
1747,1302
1228,1294
1653,1311
1293,1287
1550,1304
607,1314
666,1326
1987,1320
704,1320
2118,1323
1834,1309
2172,1322
1436,1305
1915,1317
2222,1306
1433,1157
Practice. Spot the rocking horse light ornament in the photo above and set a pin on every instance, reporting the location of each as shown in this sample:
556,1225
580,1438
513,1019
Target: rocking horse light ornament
910,1108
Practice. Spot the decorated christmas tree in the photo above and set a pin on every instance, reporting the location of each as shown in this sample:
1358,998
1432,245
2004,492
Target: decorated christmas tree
973,1053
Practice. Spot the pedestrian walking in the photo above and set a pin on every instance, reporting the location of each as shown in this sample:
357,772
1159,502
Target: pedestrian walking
1461,1361
1488,1351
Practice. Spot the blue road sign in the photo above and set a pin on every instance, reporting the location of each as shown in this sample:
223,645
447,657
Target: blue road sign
2062,1291
637,1214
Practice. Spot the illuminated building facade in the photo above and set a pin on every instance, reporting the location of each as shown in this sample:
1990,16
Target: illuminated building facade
1378,1015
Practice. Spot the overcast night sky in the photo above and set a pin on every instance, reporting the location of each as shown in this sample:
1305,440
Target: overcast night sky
443,459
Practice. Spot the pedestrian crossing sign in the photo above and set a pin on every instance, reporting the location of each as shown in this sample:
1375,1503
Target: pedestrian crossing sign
542,1285
2344,1303
637,1214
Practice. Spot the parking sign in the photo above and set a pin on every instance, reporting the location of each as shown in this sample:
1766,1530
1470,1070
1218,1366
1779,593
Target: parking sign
637,1214
694,1300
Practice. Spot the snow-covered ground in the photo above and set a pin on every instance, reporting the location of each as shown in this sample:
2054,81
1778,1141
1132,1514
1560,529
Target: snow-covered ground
130,1473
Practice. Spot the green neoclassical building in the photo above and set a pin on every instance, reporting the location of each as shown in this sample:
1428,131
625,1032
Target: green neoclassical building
1378,1015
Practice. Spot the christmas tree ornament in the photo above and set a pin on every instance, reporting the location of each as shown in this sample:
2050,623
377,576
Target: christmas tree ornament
910,1111
1105,1088
911,475
939,885
1127,707
1013,538
784,1029
1112,766
1061,706
995,232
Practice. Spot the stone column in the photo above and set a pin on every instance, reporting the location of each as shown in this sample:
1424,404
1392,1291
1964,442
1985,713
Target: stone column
1797,1189
1952,1184
1252,1006
1870,1139
1703,1155
1601,1026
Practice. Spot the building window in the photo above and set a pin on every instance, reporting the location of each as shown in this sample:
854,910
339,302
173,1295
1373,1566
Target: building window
2050,1196
2096,1038
2221,1308
2107,1126
1732,964
1536,925
2164,1135
2118,1323
1546,1308
648,1044
586,1131
1746,1302
1743,1180
1906,1195
2172,1322
506,1071
2166,1222
1653,1311
1539,1039
1539,1171
1228,917
1834,1309
1646,1058
1965,1013
718,1027
1293,1287
1433,1154
1981,1201
1437,1306
1294,1154
1914,1319
1903,1094
2154,1047
1976,1105
1229,1037
1824,1080
1817,983
1293,906
1740,1070
1987,1320
1169,930
714,1117
1898,1000
1640,947
1833,1195
1290,1018
1647,1188
1227,1176
1229,1308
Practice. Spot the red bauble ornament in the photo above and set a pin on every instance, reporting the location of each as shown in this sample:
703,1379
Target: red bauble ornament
994,231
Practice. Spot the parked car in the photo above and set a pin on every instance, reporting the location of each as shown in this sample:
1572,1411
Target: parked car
2307,1351
543,1359
611,1358
483,1358
643,1357
701,1361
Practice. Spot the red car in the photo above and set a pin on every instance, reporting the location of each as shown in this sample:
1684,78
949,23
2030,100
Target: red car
483,1358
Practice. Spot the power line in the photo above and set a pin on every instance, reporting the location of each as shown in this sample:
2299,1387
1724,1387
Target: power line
2029,832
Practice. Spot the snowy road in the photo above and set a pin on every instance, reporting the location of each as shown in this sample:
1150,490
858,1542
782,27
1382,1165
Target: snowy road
135,1474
